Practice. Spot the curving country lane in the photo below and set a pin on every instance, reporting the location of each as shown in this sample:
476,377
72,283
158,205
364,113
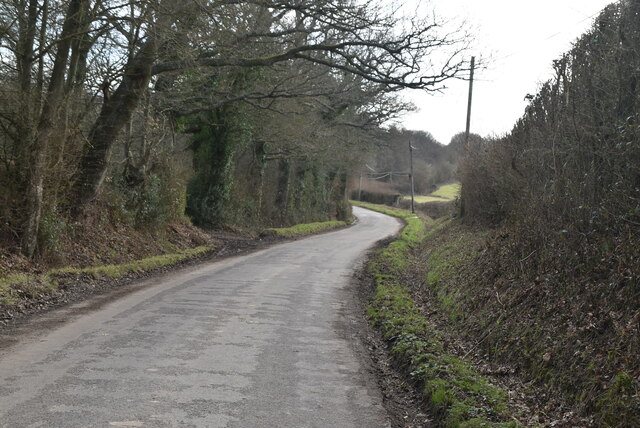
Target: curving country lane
253,341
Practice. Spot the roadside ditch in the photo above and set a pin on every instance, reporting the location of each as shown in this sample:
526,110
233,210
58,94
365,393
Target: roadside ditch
449,388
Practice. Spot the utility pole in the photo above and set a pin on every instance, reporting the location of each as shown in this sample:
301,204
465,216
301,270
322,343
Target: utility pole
360,188
466,135
411,175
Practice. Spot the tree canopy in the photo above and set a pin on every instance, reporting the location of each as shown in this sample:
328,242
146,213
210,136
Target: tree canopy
75,76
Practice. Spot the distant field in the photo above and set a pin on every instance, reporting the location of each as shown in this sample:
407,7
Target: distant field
443,194
449,191
422,199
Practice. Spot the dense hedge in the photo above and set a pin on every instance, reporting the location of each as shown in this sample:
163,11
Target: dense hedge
573,160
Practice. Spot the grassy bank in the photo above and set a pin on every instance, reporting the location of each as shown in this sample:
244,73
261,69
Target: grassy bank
572,334
448,191
19,288
303,229
568,333
456,393
420,199
384,209
444,193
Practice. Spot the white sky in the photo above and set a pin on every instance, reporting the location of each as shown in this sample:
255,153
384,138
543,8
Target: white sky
519,39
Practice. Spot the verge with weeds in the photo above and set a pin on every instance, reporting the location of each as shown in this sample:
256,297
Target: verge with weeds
303,229
457,394
22,290
569,330
19,288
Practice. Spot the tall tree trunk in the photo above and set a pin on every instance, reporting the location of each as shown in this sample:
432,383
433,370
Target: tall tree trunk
24,57
260,160
116,112
81,43
47,126
42,37
282,189
24,48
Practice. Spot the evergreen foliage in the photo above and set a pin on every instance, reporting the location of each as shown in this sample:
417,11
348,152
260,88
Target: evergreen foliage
209,189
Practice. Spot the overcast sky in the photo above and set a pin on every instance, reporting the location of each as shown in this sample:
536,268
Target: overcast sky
521,38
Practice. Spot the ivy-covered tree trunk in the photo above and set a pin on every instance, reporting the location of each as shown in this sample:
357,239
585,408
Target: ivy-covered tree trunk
282,189
260,159
208,190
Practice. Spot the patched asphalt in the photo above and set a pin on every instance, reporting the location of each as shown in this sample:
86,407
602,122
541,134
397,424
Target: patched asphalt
252,341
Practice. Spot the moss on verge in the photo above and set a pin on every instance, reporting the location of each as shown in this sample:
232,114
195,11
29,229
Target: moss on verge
303,229
18,289
146,264
457,394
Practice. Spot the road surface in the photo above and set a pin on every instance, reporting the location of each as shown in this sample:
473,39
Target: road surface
258,340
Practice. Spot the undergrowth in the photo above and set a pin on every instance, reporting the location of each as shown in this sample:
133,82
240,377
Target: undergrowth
457,394
567,329
559,279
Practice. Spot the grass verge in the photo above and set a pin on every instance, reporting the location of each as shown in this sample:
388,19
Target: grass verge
570,333
303,229
448,191
445,193
17,289
456,393
384,209
420,199
142,265
414,230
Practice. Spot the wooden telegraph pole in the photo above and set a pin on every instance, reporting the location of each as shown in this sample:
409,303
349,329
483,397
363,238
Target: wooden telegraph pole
468,128
411,175
466,135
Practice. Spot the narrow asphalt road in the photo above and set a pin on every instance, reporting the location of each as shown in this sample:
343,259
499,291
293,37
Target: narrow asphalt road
260,340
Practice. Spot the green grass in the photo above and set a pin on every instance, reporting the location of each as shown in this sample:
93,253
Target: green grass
445,193
149,263
8,284
616,406
457,394
448,191
384,209
11,280
304,229
17,288
420,199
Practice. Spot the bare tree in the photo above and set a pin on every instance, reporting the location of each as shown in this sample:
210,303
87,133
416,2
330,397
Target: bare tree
57,58
359,39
